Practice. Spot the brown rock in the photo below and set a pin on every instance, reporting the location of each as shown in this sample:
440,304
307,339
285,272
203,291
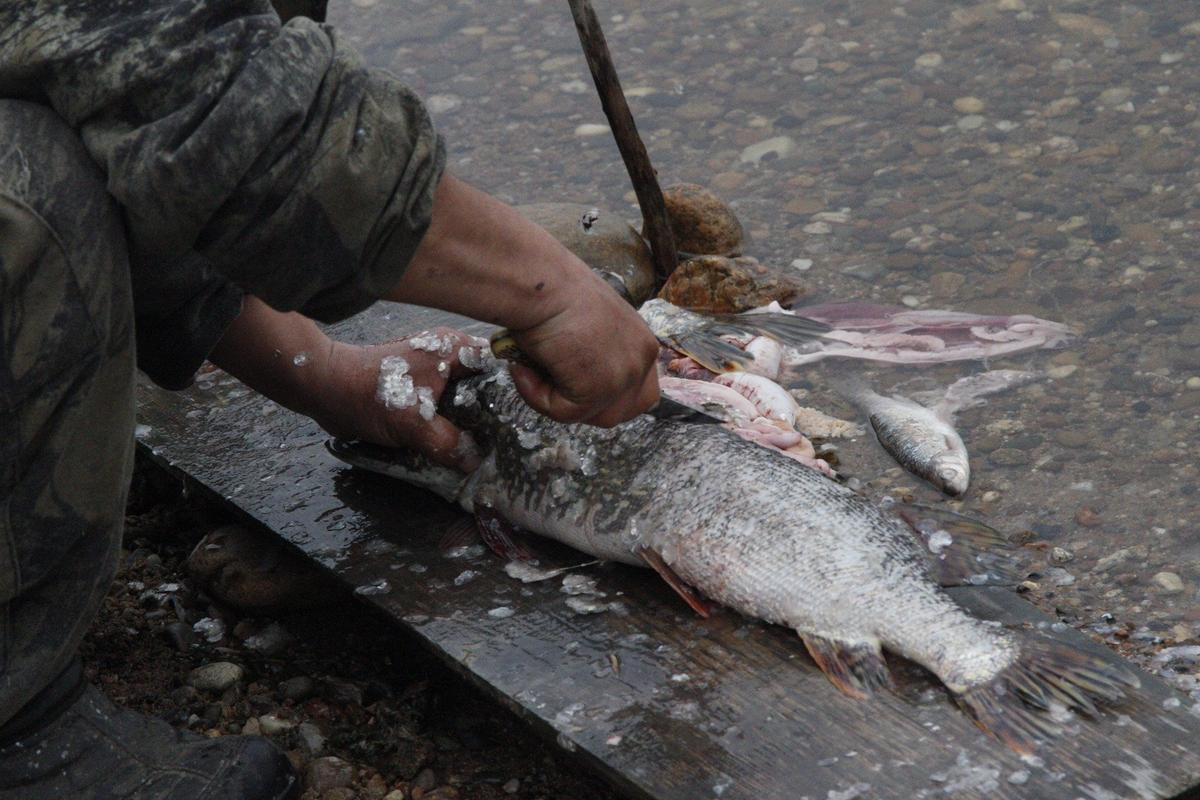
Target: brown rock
256,573
726,285
602,240
804,206
702,223
1088,517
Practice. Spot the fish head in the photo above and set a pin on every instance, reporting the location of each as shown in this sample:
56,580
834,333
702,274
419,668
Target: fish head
950,472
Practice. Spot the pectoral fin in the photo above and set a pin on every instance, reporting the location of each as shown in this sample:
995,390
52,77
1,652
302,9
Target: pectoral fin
689,595
962,550
855,668
461,533
710,351
503,537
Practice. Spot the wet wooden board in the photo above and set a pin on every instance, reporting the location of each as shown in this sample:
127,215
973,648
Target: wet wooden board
661,703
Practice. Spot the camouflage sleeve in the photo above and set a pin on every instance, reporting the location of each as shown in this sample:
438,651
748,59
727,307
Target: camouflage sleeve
299,174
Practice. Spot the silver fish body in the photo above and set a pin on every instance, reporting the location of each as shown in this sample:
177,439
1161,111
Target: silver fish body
921,439
754,531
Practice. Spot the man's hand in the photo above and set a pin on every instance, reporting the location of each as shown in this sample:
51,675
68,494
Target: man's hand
290,360
596,357
480,258
400,409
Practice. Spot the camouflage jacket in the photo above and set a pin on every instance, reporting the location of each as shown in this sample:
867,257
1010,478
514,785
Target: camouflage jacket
246,156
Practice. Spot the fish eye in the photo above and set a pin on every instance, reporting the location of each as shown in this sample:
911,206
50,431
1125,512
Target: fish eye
948,472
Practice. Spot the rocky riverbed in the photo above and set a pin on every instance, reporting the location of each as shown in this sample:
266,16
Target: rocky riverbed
360,709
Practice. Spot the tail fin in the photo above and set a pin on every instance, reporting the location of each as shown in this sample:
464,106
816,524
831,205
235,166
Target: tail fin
1012,707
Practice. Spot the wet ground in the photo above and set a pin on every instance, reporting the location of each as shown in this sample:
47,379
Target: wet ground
1013,156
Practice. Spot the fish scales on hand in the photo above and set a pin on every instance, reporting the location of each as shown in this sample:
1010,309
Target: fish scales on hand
780,542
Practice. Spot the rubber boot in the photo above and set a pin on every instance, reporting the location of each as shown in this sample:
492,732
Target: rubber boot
86,747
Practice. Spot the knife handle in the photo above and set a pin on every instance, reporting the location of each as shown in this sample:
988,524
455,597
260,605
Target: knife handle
505,346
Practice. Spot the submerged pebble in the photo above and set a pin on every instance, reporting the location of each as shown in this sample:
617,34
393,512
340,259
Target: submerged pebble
378,587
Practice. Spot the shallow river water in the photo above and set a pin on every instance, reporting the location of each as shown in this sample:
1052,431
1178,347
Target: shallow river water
1015,156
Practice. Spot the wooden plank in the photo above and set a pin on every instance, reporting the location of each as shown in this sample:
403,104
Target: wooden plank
663,704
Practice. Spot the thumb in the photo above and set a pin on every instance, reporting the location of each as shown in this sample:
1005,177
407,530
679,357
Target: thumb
543,397
447,444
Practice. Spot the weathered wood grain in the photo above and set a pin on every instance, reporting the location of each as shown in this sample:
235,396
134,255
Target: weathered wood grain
663,704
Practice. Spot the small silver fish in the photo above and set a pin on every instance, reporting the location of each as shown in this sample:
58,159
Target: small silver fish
922,438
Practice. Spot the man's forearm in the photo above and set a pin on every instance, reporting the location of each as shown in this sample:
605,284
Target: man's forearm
280,355
518,274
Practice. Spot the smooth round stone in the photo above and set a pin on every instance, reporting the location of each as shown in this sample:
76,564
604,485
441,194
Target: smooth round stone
1193,382
442,103
1169,582
776,146
1071,438
947,284
702,223
590,129
971,122
804,66
215,677
968,105
1116,95
1063,371
272,725
929,60
1008,457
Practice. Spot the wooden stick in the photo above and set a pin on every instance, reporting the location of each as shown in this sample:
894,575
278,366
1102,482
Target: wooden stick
655,227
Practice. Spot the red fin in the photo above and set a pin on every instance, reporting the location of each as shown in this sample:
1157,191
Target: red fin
689,595
462,532
855,668
501,535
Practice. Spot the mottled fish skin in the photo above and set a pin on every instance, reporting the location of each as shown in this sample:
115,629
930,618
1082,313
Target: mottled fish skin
780,542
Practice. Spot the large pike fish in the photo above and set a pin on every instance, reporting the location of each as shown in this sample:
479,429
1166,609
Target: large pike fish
762,534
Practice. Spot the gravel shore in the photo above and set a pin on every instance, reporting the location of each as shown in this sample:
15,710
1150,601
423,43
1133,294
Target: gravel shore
361,710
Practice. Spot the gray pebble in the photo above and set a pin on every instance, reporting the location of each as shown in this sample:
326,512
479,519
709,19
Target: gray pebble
311,738
1070,438
328,772
1008,457
180,635
271,724
426,779
215,677
299,688
1169,582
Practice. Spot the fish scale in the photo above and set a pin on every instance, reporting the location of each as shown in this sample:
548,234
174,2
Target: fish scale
763,535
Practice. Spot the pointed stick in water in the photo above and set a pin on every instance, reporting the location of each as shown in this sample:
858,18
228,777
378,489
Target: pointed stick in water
655,227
